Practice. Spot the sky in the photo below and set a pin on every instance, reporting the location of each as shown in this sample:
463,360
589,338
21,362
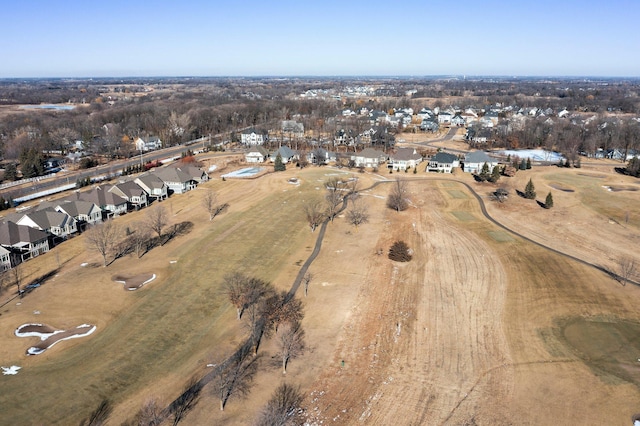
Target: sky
69,38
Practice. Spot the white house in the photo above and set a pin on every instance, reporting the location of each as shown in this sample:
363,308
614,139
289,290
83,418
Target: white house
153,186
50,221
256,154
81,211
148,144
369,157
27,242
444,118
251,136
474,161
176,179
404,158
443,162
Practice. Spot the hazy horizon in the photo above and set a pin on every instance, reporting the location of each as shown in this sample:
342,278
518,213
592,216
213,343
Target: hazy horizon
194,38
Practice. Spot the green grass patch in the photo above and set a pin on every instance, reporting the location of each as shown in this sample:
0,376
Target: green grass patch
464,216
449,184
611,348
501,236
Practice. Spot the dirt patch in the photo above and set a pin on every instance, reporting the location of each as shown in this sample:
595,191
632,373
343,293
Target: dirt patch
134,282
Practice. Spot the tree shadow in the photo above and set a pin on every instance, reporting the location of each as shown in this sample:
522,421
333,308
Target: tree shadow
520,193
541,204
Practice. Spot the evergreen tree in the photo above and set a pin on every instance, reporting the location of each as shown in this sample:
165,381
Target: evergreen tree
528,163
530,191
484,172
278,165
523,164
548,202
495,174
10,172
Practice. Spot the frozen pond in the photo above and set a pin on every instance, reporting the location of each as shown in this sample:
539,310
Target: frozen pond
534,154
246,172
48,106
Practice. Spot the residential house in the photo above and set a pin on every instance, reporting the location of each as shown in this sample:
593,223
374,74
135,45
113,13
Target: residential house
110,203
150,143
135,195
153,186
196,173
54,223
256,154
177,180
474,161
84,212
320,156
252,136
286,153
23,241
404,158
369,157
443,162
445,118
458,120
429,125
292,129
5,259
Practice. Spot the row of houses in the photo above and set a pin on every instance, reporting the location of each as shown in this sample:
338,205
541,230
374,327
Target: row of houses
401,159
25,235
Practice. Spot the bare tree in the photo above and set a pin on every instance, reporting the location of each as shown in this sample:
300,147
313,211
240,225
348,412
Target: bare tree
139,240
314,213
103,238
306,280
283,409
359,212
235,377
210,203
150,414
280,308
157,219
626,269
397,199
244,291
333,196
186,401
291,342
100,415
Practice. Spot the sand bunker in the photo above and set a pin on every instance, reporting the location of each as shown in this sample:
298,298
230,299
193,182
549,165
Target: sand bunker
620,188
49,336
135,282
561,188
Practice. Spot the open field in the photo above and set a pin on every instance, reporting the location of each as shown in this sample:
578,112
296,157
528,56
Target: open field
481,326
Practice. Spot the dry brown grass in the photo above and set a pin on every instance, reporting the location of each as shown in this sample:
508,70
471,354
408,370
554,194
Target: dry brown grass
477,327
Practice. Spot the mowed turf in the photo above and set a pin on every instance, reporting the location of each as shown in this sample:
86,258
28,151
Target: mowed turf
173,324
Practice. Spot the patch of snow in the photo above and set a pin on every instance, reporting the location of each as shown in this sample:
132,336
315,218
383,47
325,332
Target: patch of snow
84,264
10,371
173,261
212,168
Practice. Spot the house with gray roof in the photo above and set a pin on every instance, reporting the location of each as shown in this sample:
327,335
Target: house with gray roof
82,211
443,162
286,153
369,157
110,203
176,179
474,161
153,186
404,158
196,173
256,154
132,192
24,242
54,223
